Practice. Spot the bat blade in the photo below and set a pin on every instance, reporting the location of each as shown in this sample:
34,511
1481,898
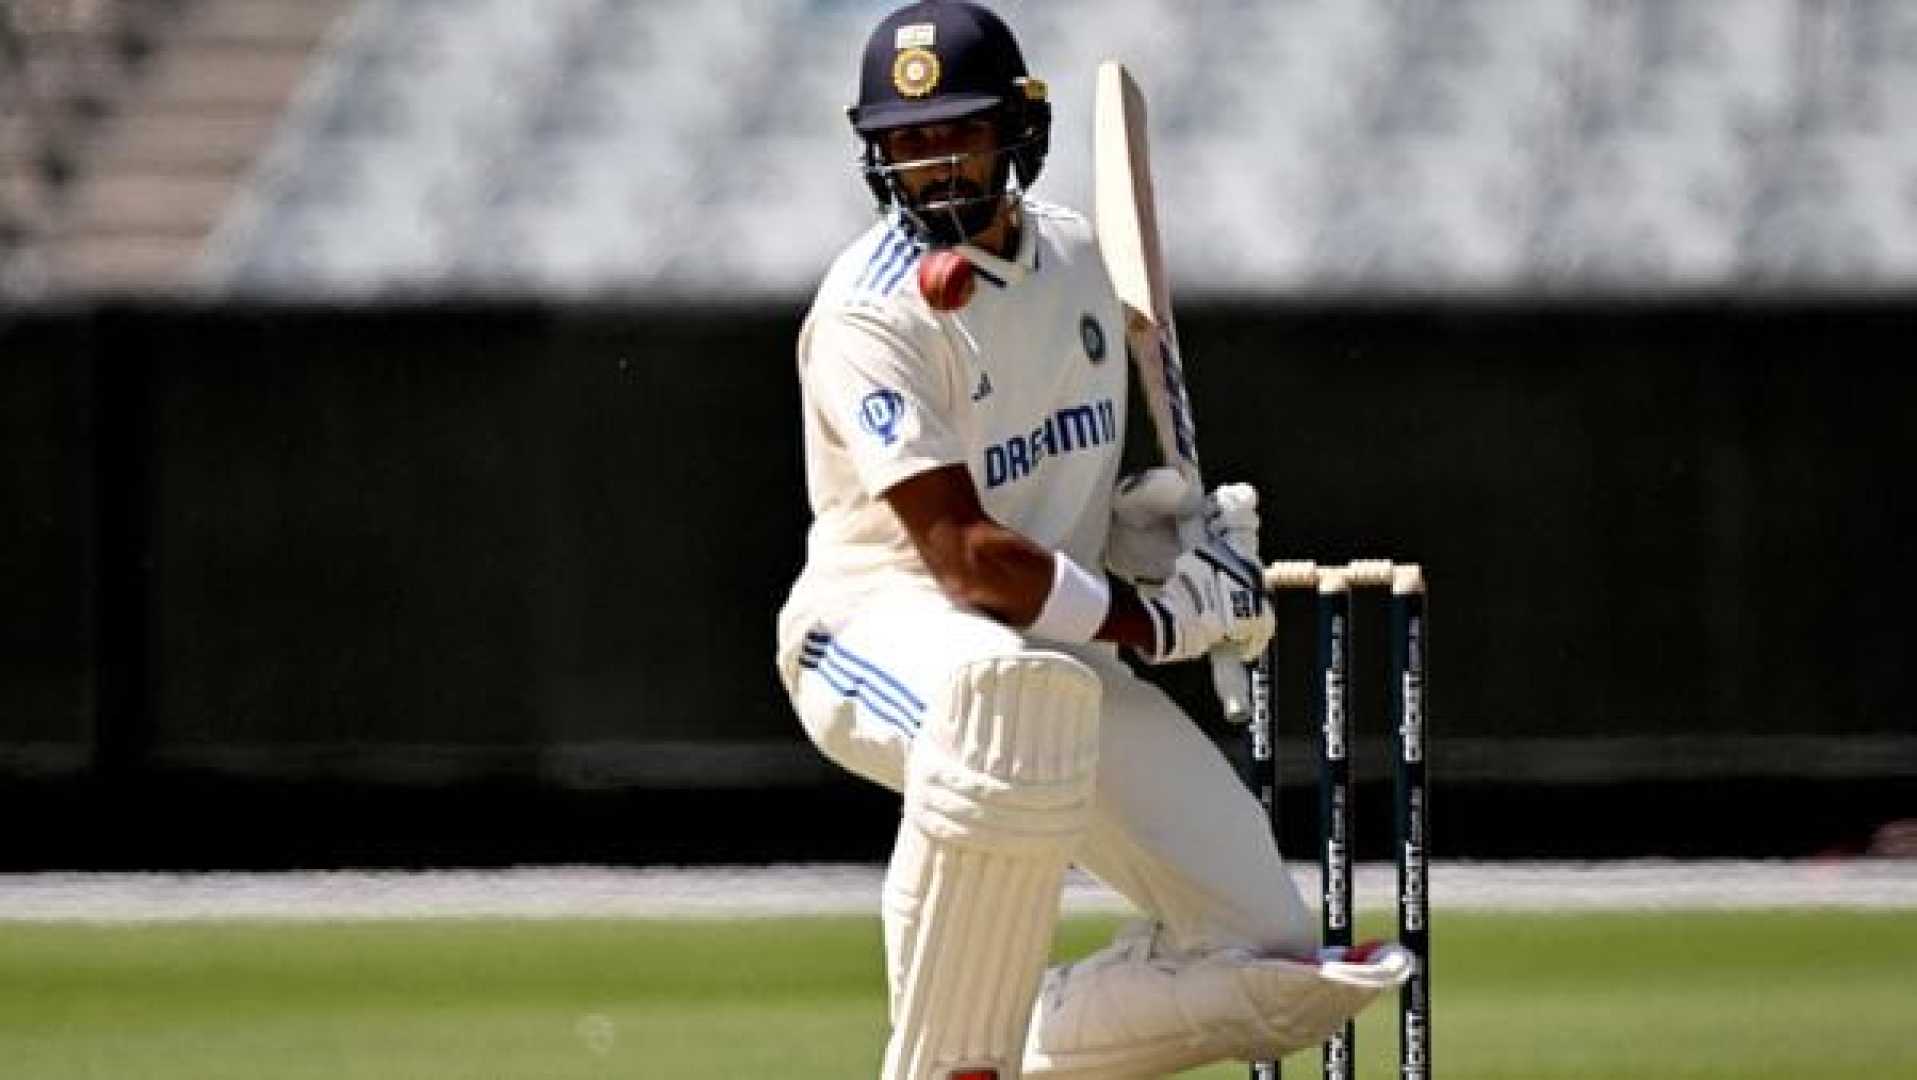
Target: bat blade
1125,207
1126,220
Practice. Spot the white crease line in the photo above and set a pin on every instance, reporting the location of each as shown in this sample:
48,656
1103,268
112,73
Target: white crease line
748,892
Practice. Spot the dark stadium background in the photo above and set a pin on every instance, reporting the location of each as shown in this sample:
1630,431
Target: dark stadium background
457,578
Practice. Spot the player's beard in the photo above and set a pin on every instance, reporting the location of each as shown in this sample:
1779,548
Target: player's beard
954,211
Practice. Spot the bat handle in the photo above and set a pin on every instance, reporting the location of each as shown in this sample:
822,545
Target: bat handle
1231,678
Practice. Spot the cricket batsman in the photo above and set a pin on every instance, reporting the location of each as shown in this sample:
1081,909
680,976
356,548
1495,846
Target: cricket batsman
974,568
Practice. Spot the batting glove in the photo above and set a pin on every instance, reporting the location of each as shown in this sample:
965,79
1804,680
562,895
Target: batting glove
1146,509
1213,595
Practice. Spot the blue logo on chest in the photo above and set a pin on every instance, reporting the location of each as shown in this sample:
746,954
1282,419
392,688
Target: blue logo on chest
1069,430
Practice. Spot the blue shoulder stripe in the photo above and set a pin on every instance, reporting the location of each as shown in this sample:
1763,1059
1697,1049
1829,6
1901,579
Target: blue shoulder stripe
883,280
911,260
887,240
894,245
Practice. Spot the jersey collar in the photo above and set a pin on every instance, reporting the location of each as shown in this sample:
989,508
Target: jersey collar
1005,272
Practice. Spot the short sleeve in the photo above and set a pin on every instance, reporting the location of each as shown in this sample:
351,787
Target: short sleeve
884,396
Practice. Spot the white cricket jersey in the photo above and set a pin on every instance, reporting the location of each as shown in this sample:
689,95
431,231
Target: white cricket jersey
1025,386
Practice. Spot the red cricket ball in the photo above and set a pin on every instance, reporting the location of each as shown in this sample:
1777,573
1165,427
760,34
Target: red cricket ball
946,280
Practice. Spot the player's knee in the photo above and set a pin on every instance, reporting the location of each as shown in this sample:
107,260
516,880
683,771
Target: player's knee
1009,751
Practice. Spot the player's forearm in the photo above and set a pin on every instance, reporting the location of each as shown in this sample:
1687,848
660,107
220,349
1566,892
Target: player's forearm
992,569
1001,573
987,567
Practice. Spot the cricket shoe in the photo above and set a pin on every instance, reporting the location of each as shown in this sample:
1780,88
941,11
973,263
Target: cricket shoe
1137,1008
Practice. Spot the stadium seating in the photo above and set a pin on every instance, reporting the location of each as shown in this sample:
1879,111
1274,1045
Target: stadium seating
130,124
678,147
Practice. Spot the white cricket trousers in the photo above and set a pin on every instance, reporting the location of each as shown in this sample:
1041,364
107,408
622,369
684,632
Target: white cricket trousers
1174,830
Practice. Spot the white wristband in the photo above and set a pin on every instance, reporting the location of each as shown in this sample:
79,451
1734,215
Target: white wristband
1076,606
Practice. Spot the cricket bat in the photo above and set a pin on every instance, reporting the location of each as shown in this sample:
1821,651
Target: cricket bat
1126,219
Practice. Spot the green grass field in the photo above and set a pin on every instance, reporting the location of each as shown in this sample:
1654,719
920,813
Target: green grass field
1743,995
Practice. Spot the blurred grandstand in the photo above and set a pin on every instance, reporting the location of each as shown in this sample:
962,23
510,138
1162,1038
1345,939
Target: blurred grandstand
434,147
127,127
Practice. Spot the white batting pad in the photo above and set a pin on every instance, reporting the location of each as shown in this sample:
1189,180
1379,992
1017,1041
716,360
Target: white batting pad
1134,1009
998,790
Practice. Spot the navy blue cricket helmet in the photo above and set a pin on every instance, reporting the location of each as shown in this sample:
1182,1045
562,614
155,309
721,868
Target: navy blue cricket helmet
942,60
